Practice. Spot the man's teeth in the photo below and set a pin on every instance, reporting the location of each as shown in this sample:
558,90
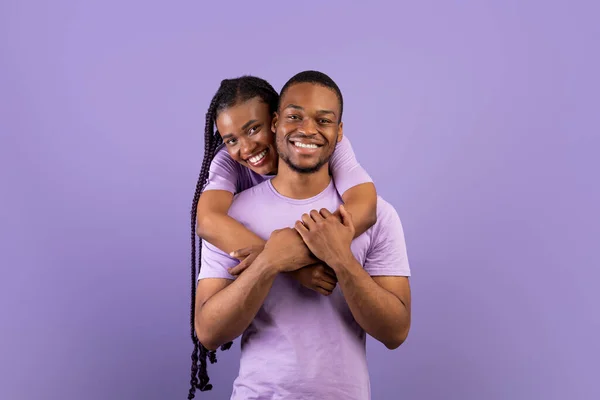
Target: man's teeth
258,157
306,145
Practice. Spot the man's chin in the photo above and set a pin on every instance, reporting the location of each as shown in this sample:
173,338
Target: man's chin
305,168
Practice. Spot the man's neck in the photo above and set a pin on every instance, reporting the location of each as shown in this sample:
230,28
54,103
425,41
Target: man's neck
296,185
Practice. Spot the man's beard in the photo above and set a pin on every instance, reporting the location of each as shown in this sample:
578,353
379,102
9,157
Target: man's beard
306,170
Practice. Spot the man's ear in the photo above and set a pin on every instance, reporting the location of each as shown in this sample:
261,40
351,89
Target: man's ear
274,122
340,132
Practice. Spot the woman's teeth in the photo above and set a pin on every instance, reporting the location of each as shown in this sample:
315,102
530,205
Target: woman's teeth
306,145
255,159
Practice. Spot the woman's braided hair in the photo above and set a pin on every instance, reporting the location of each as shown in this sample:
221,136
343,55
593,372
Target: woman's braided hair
231,92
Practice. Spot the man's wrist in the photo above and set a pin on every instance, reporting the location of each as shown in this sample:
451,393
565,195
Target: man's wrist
265,267
342,262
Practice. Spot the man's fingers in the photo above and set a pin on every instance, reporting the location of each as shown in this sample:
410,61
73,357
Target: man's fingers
329,279
299,225
323,291
346,216
314,214
327,270
327,286
325,213
301,229
308,222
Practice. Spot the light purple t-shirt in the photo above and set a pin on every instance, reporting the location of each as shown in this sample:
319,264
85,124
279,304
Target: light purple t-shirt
227,174
302,345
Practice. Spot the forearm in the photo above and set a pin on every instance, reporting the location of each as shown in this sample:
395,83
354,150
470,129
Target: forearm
362,215
226,233
225,315
231,236
379,312
361,203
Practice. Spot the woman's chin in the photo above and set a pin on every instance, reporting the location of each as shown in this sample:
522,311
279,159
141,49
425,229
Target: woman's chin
267,169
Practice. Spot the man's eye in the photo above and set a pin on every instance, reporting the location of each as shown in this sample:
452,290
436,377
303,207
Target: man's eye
324,121
293,117
254,129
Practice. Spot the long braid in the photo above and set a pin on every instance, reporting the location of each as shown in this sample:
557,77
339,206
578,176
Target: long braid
231,92
210,144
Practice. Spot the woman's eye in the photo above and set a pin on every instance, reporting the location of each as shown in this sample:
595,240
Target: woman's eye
231,142
253,130
293,117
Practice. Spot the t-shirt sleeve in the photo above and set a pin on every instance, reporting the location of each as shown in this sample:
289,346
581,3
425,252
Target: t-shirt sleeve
345,168
223,173
387,255
214,263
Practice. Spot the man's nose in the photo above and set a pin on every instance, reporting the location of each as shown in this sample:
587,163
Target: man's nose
308,126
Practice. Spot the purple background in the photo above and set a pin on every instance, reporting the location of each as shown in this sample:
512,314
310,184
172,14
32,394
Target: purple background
479,122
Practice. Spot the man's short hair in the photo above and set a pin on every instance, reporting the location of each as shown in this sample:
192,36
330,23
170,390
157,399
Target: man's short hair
318,78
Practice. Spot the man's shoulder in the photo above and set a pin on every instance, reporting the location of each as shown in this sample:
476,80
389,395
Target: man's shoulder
388,218
385,210
386,254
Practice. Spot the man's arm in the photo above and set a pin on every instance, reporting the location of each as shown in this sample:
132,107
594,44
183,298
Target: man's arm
381,303
226,307
216,227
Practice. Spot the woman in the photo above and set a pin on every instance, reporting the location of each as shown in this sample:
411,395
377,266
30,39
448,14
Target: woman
242,110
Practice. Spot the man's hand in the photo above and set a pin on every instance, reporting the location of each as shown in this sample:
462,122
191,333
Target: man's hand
317,277
285,251
326,237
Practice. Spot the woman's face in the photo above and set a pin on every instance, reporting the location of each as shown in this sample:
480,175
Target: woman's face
246,132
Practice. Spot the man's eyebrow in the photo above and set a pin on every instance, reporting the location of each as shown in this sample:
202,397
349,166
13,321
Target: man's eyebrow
326,112
294,106
297,107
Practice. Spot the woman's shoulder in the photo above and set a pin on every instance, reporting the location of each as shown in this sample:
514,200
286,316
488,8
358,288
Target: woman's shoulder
242,176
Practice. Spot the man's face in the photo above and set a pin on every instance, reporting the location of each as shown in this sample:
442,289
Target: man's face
307,127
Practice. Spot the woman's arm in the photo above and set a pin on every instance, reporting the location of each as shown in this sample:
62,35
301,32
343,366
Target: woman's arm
355,186
215,226
361,202
230,236
218,228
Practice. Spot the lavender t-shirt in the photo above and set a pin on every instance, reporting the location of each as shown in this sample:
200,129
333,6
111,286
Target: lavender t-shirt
302,345
227,174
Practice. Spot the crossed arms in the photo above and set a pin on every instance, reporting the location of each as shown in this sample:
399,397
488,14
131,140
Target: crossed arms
379,304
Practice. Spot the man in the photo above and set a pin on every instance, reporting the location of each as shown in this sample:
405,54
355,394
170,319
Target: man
298,344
